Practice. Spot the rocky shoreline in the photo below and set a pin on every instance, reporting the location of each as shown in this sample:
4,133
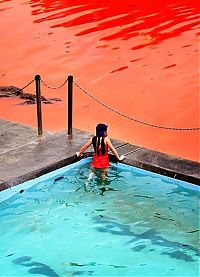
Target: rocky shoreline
30,99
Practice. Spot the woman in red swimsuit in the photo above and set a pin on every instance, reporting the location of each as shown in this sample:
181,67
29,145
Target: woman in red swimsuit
101,144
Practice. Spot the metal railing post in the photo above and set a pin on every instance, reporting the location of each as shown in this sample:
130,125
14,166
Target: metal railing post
70,95
38,102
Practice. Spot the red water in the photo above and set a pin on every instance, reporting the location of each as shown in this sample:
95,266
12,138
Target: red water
140,58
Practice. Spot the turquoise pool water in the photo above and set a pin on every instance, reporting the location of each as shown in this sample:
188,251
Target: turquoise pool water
130,223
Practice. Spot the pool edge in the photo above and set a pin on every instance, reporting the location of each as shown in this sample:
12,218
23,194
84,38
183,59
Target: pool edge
156,168
29,156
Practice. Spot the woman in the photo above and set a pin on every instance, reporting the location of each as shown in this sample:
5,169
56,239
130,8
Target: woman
101,144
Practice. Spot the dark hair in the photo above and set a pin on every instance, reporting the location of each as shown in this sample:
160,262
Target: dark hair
100,129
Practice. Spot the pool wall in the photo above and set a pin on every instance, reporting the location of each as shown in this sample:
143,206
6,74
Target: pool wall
7,193
25,156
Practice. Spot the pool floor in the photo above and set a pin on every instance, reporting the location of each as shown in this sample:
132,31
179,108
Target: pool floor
75,221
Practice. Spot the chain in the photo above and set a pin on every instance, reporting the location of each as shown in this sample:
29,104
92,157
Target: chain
27,85
50,87
134,119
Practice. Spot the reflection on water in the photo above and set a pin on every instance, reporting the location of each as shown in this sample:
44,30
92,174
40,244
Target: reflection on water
139,57
155,21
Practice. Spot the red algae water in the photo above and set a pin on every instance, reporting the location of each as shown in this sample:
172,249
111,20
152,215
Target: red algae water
139,57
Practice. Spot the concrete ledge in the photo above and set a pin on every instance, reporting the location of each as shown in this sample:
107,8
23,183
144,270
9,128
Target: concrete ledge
37,173
25,157
167,170
165,165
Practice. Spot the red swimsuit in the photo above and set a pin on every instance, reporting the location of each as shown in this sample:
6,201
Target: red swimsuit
101,161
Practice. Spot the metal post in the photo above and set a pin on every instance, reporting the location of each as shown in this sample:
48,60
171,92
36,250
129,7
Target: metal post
38,101
70,90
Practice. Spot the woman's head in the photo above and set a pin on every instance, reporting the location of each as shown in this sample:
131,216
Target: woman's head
100,129
98,143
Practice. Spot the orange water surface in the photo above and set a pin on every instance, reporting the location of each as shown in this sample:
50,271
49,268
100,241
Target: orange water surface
138,57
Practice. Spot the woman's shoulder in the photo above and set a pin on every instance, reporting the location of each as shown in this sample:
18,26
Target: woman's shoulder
106,139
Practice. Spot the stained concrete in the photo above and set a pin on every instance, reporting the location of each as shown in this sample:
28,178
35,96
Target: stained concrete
24,155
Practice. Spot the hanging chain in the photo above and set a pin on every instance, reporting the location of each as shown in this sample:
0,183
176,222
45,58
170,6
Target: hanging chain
51,87
112,109
134,119
27,85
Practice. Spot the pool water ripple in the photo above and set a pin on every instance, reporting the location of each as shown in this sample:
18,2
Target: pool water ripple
64,223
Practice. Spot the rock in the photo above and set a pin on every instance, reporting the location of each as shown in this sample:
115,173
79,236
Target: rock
12,91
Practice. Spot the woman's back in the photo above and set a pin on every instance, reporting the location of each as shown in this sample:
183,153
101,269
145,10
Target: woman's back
100,145
100,159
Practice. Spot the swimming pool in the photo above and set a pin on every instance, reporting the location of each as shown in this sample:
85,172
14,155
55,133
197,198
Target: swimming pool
130,223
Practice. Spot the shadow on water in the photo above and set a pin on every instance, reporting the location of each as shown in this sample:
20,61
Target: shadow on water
174,249
152,20
35,267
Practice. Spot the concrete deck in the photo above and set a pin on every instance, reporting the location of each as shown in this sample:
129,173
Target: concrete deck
24,155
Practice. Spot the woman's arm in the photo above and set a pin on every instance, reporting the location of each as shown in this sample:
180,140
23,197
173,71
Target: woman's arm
84,147
112,148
